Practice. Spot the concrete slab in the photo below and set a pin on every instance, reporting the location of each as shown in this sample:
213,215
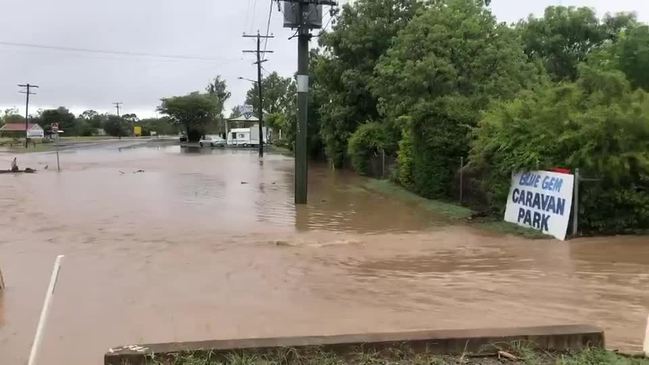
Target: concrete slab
558,338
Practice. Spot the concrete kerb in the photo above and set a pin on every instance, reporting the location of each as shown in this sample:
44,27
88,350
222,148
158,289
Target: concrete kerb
551,338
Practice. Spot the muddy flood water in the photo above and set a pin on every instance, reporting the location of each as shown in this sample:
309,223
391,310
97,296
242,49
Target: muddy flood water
208,245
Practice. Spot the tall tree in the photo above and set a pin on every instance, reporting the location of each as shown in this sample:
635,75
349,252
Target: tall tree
67,121
632,51
92,118
194,112
219,89
279,93
131,118
436,90
364,32
11,116
565,36
116,126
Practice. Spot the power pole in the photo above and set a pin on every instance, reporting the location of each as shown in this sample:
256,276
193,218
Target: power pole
27,92
117,104
260,110
304,26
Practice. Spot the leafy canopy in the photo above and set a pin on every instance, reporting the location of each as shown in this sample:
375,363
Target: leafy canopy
443,69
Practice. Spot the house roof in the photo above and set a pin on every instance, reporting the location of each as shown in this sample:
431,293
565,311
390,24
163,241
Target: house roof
17,127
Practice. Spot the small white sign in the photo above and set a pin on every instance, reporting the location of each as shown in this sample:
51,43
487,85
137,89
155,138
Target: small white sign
247,111
303,83
541,200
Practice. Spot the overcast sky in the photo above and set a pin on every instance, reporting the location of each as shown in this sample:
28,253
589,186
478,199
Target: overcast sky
205,35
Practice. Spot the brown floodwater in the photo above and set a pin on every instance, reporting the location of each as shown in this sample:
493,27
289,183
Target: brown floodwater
208,245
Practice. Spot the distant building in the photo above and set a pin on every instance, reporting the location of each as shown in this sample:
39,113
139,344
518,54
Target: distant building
17,130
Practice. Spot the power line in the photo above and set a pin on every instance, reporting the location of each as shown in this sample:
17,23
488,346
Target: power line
270,16
246,22
254,15
109,52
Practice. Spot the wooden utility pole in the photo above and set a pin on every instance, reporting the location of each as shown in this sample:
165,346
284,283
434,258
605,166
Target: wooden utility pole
117,104
304,25
27,92
260,107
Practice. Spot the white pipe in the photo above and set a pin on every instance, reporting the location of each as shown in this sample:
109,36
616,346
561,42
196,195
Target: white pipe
45,312
646,340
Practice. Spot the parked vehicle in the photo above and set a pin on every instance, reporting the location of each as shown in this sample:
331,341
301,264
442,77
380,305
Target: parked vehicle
212,141
245,137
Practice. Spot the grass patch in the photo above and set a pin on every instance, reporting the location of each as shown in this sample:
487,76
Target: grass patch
512,229
12,146
523,355
450,210
453,211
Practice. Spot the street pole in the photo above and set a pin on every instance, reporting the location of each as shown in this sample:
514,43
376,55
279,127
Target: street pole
27,92
461,180
117,107
303,23
261,98
260,107
301,164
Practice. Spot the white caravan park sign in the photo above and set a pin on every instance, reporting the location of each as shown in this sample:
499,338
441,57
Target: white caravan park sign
541,200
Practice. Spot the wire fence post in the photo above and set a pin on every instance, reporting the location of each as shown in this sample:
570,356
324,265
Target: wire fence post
58,161
461,180
382,164
575,203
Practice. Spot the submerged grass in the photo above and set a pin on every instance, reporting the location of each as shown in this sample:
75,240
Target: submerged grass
452,211
442,208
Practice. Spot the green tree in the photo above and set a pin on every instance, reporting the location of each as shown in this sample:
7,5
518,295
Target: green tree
219,89
194,112
11,116
632,56
463,60
92,118
344,69
279,93
597,124
116,126
162,126
370,139
131,118
565,36
67,121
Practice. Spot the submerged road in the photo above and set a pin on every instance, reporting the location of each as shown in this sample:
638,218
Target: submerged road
206,244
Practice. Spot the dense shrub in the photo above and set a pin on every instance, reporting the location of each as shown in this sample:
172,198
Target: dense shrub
597,124
462,60
367,142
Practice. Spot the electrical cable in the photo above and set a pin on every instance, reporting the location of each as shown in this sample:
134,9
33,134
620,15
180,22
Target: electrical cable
107,52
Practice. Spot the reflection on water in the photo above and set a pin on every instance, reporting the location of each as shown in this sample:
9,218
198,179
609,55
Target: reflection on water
207,244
